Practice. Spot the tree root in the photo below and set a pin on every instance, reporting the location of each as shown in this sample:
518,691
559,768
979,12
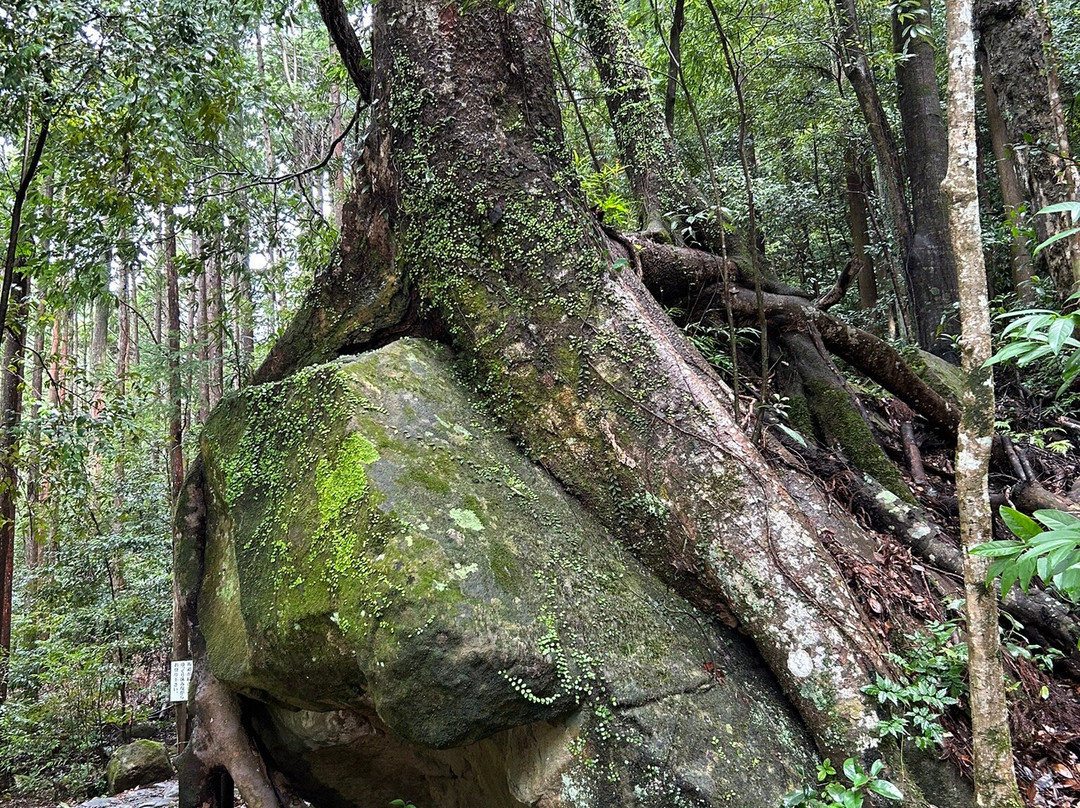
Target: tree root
221,744
909,525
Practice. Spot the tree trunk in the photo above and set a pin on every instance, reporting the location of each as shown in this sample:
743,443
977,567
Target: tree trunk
468,216
11,411
123,337
933,272
33,548
656,176
1016,37
531,277
1011,194
678,20
995,783
859,224
174,443
215,328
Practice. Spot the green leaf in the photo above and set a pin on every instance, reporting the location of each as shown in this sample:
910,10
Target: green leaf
1062,207
883,788
1020,525
850,769
1060,330
1072,231
998,549
1011,351
1058,519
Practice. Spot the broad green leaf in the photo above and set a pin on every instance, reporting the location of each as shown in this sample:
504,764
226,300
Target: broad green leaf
998,549
1020,525
1054,520
1062,207
883,788
1060,330
1072,231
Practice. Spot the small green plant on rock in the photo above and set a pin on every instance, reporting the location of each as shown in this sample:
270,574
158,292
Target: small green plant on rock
832,791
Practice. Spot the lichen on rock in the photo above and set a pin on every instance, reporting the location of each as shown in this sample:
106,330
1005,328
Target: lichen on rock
389,578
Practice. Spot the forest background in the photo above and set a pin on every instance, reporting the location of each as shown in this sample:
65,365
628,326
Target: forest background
174,175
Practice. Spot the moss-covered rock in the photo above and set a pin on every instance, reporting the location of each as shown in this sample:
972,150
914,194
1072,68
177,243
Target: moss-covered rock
391,577
141,763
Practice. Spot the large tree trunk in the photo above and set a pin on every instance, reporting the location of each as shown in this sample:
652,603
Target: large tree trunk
933,271
1016,37
579,360
469,216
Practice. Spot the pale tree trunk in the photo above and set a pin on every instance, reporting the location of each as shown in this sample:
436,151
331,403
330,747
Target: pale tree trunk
215,325
123,335
174,445
995,782
202,351
33,549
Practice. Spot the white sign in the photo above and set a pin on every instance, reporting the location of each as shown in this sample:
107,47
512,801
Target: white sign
180,680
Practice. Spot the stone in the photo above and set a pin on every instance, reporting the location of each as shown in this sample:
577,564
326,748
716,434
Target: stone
140,763
416,611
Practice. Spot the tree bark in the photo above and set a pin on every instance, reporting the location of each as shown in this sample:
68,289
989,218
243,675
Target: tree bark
933,271
1011,194
995,782
532,279
174,446
467,218
1024,78
678,21
11,409
859,225
656,175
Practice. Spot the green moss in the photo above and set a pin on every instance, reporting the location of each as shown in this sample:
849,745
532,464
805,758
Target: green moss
844,426
798,415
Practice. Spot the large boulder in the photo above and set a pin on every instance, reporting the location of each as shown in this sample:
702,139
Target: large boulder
141,763
417,611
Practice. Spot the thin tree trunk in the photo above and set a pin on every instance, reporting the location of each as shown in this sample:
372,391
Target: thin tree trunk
33,549
859,224
31,163
174,445
337,167
656,175
202,336
123,334
995,782
572,97
103,305
678,20
890,170
10,413
215,326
